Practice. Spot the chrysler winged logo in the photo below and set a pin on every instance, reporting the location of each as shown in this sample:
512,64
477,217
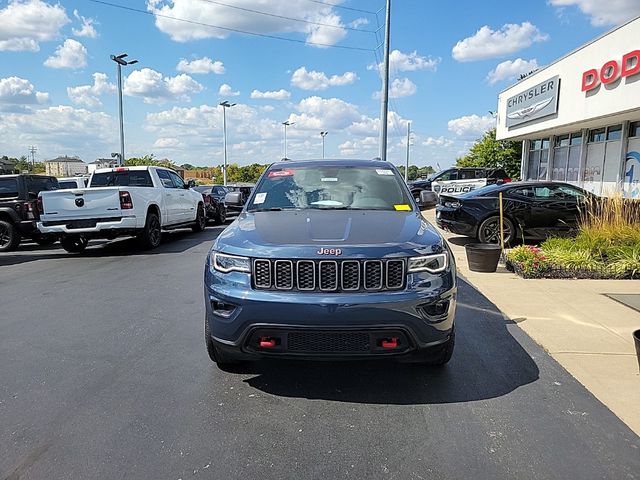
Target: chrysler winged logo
329,251
530,110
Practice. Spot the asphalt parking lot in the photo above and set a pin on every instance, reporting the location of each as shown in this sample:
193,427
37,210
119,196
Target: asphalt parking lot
105,375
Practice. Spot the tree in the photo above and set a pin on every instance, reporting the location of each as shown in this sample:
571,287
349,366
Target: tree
491,153
148,160
416,172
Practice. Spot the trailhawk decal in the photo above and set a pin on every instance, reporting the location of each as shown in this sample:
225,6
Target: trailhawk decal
457,187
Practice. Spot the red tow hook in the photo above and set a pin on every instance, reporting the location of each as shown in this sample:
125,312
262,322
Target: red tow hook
389,342
267,342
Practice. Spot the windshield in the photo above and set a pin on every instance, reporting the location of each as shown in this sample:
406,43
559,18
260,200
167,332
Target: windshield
203,189
483,191
129,178
327,188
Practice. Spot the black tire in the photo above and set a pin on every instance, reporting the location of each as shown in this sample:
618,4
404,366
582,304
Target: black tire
221,216
45,241
151,235
74,243
215,354
9,236
201,220
489,231
444,353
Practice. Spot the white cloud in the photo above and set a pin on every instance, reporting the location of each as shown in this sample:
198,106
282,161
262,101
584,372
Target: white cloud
488,43
408,62
88,95
400,87
437,142
316,113
59,130
18,91
312,80
469,125
87,29
167,142
281,94
511,69
226,91
71,54
200,65
364,148
603,13
154,88
24,24
230,18
358,22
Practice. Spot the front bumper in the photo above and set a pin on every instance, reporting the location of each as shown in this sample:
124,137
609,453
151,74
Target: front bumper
333,326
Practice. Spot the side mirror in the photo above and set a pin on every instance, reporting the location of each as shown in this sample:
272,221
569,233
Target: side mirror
428,200
190,184
233,199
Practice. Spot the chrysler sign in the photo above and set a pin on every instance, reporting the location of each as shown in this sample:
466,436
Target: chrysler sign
539,101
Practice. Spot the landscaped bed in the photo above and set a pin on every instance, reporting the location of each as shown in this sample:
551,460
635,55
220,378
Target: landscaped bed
607,246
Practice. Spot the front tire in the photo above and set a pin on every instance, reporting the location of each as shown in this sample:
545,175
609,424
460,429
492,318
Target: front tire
74,243
489,230
201,220
151,235
9,236
221,216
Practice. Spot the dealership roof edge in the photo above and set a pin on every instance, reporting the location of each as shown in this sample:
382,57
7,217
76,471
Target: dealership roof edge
575,50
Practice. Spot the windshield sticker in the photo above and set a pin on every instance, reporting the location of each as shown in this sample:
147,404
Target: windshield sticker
259,198
280,173
402,208
383,172
329,179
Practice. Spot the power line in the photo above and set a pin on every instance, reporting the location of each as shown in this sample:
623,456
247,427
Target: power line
235,30
244,9
343,7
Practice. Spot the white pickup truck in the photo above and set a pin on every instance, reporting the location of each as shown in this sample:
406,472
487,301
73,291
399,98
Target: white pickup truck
123,201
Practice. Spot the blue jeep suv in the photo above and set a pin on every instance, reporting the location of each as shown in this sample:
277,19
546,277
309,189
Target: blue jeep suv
330,259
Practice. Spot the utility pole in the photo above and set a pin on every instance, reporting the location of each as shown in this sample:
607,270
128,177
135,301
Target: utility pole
286,124
32,150
224,106
406,169
323,134
120,61
384,108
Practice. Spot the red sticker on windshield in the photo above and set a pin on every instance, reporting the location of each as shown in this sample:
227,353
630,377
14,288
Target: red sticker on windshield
281,173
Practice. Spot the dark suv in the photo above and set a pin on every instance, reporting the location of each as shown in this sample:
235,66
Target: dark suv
19,208
459,180
333,260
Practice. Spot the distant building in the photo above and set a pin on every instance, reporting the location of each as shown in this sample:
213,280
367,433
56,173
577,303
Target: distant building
65,167
101,163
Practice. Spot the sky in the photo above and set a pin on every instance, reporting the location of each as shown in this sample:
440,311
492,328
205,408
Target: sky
313,63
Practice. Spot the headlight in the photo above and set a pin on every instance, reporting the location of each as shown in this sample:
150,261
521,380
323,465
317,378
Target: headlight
429,263
229,263
452,204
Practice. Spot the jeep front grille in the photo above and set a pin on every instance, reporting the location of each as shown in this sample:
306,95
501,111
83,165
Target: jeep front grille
329,275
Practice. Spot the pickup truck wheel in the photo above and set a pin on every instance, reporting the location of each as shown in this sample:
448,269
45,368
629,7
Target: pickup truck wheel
74,243
151,235
215,354
221,217
201,220
9,236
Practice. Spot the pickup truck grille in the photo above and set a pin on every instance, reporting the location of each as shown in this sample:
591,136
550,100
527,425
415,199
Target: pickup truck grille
329,275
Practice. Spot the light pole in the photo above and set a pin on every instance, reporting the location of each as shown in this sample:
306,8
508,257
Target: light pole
323,134
286,124
224,106
384,103
120,61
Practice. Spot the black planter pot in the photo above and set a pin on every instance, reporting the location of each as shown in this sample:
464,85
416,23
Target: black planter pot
636,340
483,257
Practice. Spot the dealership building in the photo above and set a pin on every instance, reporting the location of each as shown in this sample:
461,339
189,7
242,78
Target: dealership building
579,117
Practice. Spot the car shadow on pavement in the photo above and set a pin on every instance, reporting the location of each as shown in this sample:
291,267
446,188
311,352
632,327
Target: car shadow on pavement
488,362
175,241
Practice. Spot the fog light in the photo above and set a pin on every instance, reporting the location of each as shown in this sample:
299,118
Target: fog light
437,309
221,309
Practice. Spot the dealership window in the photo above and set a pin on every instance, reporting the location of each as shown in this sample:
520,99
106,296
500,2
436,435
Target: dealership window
634,129
538,159
603,157
566,157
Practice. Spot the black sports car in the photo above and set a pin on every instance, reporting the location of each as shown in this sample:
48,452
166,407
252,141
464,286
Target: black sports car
213,196
532,210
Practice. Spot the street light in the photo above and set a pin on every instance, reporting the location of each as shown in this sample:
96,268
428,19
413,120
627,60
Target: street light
323,134
224,106
286,124
120,60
